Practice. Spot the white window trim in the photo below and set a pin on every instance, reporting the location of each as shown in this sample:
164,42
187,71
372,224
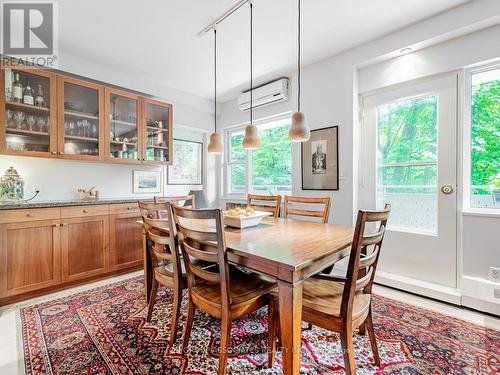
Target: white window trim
226,193
467,208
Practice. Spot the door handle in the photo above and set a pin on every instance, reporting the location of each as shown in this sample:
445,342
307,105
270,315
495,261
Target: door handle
447,189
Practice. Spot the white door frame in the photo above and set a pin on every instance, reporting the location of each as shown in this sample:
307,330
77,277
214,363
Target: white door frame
452,295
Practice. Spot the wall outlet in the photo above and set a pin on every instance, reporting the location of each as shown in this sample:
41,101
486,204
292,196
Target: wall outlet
37,187
494,274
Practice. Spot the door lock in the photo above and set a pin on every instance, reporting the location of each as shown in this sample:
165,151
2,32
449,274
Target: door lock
447,189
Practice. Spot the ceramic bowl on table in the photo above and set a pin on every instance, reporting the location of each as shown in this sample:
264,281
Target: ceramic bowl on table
244,218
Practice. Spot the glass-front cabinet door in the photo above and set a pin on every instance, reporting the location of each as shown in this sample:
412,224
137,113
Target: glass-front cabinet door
158,131
81,119
28,103
122,132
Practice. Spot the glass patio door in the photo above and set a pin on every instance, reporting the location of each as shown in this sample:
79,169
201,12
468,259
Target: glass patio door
409,161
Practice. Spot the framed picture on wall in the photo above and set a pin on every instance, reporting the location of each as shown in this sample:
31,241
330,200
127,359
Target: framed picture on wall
187,165
320,160
146,182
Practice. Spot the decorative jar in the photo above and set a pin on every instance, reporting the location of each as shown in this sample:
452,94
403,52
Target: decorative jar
11,186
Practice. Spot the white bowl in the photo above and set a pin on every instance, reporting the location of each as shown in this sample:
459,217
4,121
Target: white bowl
245,221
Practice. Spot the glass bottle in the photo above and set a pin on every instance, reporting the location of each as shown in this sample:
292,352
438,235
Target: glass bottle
17,89
28,97
39,98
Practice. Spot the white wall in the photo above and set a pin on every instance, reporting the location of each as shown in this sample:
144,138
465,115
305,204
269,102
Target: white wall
331,88
61,178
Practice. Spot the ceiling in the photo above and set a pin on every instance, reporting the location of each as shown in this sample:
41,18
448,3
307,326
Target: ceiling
158,39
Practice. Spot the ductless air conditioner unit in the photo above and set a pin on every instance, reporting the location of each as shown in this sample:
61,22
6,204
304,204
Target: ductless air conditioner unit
274,92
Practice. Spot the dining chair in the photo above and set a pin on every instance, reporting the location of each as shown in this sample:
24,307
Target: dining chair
219,290
344,304
322,214
165,257
189,200
261,203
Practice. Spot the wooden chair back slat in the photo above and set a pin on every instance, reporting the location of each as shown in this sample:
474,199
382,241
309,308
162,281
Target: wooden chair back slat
204,255
363,259
323,214
257,203
202,273
177,199
362,282
373,238
150,210
368,260
194,229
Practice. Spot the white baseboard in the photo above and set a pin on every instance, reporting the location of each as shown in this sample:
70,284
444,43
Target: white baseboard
479,294
435,291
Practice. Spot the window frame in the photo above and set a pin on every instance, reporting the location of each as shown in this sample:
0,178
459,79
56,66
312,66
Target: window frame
227,162
467,140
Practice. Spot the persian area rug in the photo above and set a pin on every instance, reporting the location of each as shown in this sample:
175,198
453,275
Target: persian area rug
103,331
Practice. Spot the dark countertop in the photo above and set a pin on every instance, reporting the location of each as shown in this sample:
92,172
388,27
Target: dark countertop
67,203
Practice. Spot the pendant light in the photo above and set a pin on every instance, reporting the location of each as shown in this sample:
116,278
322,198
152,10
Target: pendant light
251,140
215,145
299,131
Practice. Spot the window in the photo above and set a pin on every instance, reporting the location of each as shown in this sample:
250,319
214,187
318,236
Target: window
187,166
485,138
267,170
407,160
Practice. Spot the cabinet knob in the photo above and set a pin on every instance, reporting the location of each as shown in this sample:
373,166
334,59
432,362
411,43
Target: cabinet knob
64,224
29,214
129,208
61,153
53,152
56,225
85,211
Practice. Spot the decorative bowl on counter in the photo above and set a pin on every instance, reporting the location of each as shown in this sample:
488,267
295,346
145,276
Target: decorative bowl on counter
244,218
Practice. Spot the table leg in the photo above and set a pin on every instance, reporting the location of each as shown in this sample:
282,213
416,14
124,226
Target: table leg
148,267
290,306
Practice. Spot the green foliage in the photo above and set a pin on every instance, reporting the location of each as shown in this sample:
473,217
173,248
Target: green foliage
485,136
407,133
272,162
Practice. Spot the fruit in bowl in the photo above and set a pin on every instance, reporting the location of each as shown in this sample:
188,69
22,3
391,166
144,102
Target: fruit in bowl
241,212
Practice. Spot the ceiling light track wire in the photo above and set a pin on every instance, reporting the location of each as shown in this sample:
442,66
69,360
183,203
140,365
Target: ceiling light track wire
226,14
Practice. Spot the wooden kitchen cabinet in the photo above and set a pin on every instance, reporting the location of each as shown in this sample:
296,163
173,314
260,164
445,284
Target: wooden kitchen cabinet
84,247
125,237
30,254
28,129
83,120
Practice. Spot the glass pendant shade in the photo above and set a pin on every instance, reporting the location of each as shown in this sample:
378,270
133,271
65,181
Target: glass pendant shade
251,140
299,131
215,145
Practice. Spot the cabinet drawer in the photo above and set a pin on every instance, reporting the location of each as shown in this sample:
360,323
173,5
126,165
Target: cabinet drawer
35,214
82,211
123,208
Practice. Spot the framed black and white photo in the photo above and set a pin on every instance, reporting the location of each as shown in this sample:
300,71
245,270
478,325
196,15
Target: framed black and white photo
320,160
146,182
187,166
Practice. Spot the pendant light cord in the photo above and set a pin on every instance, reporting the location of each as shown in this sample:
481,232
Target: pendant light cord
215,78
298,60
251,63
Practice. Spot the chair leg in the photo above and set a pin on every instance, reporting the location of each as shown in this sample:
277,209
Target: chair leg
373,340
225,333
271,336
348,350
362,329
176,308
152,298
188,326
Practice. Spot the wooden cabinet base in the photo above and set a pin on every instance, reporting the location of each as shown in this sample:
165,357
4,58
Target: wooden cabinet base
68,285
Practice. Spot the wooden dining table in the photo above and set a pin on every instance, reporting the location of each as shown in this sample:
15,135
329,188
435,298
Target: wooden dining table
288,251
